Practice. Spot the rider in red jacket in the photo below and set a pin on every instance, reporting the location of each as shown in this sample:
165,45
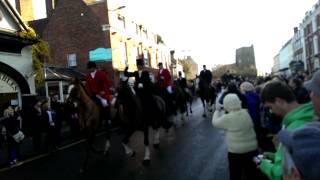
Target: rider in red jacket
97,82
164,79
98,87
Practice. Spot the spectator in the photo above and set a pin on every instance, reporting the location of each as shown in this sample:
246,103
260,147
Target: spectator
280,99
50,122
299,91
12,127
253,101
57,109
232,88
313,86
302,152
37,125
240,136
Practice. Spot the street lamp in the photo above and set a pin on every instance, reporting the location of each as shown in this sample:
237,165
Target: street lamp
121,7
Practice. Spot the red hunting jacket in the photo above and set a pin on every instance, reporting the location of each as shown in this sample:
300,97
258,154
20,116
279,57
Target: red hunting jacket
99,85
166,81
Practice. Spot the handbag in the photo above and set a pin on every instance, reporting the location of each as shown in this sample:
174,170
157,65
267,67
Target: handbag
18,137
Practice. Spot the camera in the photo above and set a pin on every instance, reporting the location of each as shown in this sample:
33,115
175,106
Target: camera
257,160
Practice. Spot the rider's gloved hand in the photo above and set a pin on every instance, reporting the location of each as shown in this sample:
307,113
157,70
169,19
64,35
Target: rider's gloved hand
140,85
169,89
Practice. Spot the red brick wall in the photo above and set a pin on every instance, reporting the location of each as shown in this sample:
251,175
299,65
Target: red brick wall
74,28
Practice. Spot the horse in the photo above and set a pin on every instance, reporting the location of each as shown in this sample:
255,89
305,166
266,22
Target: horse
181,99
90,118
204,93
134,115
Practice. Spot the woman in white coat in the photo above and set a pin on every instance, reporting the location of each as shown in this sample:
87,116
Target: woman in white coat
240,137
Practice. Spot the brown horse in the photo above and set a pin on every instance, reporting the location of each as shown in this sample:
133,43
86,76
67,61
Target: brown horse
89,117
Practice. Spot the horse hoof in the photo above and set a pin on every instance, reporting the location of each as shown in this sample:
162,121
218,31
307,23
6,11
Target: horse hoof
106,153
132,154
146,162
82,171
156,146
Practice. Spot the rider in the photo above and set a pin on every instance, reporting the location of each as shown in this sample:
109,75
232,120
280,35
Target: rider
144,90
164,79
143,84
98,87
182,82
205,75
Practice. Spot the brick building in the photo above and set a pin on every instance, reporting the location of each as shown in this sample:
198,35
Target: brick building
75,28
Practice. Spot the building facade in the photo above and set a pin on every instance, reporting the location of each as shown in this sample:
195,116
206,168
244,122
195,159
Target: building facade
79,31
298,62
276,65
311,33
16,73
245,58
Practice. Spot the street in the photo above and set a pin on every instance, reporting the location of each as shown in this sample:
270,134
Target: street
190,152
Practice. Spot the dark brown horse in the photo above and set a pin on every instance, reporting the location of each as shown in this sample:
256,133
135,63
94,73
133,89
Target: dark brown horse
134,115
89,117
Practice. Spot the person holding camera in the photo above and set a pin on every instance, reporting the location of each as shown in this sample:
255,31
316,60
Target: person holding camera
240,138
279,97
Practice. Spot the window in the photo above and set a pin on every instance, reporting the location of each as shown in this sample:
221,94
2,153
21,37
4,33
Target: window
134,52
146,57
72,60
123,53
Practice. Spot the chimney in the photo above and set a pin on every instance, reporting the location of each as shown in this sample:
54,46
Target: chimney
26,9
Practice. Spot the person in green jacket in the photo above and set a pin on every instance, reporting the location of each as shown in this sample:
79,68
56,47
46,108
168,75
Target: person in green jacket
277,96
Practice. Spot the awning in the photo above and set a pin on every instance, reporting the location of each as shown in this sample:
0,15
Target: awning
62,74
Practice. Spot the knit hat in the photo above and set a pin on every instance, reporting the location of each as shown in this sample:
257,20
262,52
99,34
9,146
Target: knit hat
231,102
314,84
246,86
303,144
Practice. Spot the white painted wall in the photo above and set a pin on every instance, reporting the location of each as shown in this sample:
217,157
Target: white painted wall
22,63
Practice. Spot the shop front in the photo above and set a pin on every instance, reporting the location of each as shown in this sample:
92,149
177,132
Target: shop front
16,77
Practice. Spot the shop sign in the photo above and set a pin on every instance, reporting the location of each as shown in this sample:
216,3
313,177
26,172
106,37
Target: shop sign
7,84
101,54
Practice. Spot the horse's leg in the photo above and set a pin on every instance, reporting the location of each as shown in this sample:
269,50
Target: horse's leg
146,159
107,144
190,104
125,142
156,138
90,138
204,107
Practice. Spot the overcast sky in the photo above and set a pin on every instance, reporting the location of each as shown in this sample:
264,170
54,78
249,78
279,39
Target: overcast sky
212,30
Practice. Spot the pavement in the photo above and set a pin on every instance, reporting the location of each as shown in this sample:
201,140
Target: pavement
195,151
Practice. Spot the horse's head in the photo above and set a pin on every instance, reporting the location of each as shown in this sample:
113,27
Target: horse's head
125,90
74,90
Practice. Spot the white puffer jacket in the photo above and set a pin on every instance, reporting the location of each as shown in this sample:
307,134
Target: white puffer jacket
240,134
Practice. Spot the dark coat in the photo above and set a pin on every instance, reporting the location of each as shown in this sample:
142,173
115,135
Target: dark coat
144,79
182,82
205,76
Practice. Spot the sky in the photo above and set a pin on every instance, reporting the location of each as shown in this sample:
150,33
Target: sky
211,30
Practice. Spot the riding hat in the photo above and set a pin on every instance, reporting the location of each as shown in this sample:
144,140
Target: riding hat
140,62
91,64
